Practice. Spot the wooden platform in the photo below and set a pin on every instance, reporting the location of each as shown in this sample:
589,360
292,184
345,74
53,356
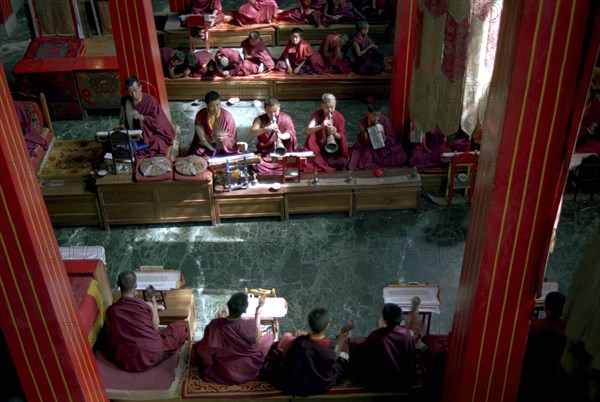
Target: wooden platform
275,34
71,201
284,86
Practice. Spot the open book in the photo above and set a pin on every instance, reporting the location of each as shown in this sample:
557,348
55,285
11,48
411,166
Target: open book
376,136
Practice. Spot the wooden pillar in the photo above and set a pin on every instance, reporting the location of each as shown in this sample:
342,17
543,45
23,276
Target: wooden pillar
137,47
5,10
40,322
542,69
402,64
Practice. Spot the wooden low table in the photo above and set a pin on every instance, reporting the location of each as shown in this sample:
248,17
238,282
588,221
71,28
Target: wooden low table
180,307
125,202
256,201
71,201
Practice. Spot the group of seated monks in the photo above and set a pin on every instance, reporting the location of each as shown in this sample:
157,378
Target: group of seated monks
234,350
377,144
316,12
297,58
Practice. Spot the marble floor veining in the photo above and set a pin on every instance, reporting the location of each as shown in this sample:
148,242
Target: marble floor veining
328,260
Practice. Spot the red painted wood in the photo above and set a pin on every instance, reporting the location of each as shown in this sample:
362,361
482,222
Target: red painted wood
40,323
5,10
523,153
137,47
402,64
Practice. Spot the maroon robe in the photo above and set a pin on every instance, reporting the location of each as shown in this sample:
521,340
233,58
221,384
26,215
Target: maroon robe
364,157
134,344
229,353
236,64
305,367
323,160
157,130
32,137
166,53
344,9
587,142
201,67
311,13
262,11
386,360
208,7
541,366
427,153
266,143
228,146
296,54
324,62
260,54
371,62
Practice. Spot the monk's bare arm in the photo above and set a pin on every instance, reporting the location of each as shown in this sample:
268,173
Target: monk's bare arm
203,138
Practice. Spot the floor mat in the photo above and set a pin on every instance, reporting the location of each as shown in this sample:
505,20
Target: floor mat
72,158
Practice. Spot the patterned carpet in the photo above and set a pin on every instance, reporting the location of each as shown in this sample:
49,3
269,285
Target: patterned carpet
72,158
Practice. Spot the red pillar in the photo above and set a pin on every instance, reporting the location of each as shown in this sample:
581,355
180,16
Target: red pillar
39,321
137,47
402,64
5,10
541,71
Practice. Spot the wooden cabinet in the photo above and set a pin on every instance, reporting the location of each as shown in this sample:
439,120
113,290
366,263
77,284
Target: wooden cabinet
250,203
124,202
71,201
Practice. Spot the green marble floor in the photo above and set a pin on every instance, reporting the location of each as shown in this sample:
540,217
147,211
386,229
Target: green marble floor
327,260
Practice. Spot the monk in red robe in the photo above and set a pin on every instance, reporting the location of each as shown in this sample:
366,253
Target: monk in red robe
143,111
233,349
307,12
255,12
545,346
294,59
200,63
326,126
331,57
387,359
135,343
390,153
229,63
213,7
216,132
268,128
367,59
307,365
257,58
32,136
426,152
338,12
171,59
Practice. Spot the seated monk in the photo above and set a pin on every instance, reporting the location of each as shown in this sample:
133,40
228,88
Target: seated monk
204,7
367,59
326,125
387,359
294,58
31,135
255,12
228,63
338,12
233,350
141,110
426,150
307,12
364,156
200,63
171,59
257,58
216,132
374,10
269,127
307,365
134,341
331,57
